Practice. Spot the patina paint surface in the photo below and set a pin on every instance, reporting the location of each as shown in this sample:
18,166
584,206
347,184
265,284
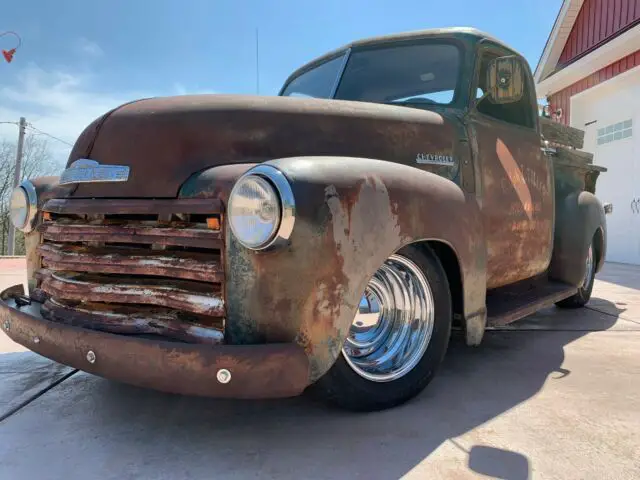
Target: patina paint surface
580,219
352,213
179,136
194,297
368,179
517,201
129,266
132,320
132,261
257,371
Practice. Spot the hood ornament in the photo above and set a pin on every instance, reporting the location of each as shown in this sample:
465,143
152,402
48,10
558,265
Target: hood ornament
89,171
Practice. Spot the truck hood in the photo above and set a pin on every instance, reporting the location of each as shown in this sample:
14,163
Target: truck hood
166,140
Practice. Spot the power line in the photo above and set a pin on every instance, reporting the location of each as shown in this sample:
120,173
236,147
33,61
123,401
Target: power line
40,132
48,135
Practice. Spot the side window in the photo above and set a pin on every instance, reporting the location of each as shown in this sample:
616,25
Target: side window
317,82
518,113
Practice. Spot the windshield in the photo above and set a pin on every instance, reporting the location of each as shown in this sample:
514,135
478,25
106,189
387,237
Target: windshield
425,73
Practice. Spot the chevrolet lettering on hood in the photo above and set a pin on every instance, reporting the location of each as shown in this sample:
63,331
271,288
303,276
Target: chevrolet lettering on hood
90,171
432,159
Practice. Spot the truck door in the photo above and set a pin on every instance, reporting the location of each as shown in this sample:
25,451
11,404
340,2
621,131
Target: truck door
516,197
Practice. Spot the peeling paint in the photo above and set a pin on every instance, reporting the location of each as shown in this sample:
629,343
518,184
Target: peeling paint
81,287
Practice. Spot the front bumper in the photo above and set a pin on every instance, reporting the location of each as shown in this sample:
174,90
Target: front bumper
257,371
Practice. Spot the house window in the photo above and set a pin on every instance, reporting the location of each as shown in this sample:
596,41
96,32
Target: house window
614,132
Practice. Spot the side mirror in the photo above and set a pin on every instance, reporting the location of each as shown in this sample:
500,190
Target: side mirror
506,79
608,208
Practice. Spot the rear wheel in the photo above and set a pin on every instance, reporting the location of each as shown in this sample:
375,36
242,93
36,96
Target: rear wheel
582,296
397,339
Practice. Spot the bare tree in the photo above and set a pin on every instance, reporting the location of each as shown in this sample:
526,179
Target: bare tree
36,161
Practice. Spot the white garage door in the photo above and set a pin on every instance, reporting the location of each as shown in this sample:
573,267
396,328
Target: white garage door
614,139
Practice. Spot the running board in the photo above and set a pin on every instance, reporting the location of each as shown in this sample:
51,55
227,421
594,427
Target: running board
508,306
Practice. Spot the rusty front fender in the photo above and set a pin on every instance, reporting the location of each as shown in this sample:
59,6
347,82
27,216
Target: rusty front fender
351,215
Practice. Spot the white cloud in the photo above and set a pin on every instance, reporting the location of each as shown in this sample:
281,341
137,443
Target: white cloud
62,103
87,47
180,89
59,103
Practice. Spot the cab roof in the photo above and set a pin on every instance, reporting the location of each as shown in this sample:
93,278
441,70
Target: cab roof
471,34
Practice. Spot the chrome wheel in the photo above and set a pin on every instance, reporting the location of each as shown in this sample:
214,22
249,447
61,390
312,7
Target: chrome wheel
394,324
589,272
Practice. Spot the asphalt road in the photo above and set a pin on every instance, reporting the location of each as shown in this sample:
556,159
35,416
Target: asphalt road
556,395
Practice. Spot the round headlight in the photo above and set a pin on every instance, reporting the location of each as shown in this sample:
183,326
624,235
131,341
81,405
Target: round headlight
23,206
261,208
19,208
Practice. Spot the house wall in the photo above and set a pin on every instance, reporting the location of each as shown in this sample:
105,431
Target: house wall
598,22
562,98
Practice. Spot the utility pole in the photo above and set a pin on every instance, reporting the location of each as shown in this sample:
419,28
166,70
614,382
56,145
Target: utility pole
17,176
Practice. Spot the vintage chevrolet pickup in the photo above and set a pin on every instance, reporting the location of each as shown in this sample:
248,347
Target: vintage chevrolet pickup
329,238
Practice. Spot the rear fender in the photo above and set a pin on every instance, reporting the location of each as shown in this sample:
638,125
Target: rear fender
579,216
351,215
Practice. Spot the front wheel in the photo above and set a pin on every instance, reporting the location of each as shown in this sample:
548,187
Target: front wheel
582,296
397,339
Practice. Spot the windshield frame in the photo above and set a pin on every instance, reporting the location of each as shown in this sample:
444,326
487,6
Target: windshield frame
459,95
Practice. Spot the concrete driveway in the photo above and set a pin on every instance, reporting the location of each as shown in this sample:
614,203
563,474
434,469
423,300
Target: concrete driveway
556,395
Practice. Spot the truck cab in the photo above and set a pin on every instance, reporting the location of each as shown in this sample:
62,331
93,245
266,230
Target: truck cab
328,239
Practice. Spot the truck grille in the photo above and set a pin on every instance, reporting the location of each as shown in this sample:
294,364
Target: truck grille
134,267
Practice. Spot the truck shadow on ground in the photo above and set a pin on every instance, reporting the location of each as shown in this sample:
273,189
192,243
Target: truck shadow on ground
299,437
620,274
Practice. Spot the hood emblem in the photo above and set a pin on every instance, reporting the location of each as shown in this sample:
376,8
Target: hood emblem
89,171
433,159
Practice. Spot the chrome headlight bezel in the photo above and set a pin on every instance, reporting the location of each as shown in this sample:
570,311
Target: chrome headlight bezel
277,180
31,199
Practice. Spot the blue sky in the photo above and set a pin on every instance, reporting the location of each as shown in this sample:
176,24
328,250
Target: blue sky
80,58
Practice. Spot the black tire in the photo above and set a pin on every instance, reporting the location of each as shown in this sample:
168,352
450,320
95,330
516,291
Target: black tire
341,386
583,295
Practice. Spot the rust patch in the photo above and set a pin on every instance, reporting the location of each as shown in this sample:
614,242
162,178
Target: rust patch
132,321
123,260
517,202
203,299
258,371
362,225
351,214
31,242
133,206
132,232
178,136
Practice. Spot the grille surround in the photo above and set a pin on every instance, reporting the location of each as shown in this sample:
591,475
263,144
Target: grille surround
134,266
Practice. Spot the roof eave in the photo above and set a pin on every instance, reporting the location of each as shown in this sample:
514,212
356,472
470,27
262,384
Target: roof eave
621,46
557,39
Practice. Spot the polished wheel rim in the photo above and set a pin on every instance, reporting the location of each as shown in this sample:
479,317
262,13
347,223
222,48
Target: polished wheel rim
393,326
589,272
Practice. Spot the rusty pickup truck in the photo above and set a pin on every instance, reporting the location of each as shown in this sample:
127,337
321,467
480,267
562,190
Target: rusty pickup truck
329,238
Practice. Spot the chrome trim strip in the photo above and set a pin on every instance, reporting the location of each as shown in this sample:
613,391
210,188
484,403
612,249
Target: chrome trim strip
89,171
